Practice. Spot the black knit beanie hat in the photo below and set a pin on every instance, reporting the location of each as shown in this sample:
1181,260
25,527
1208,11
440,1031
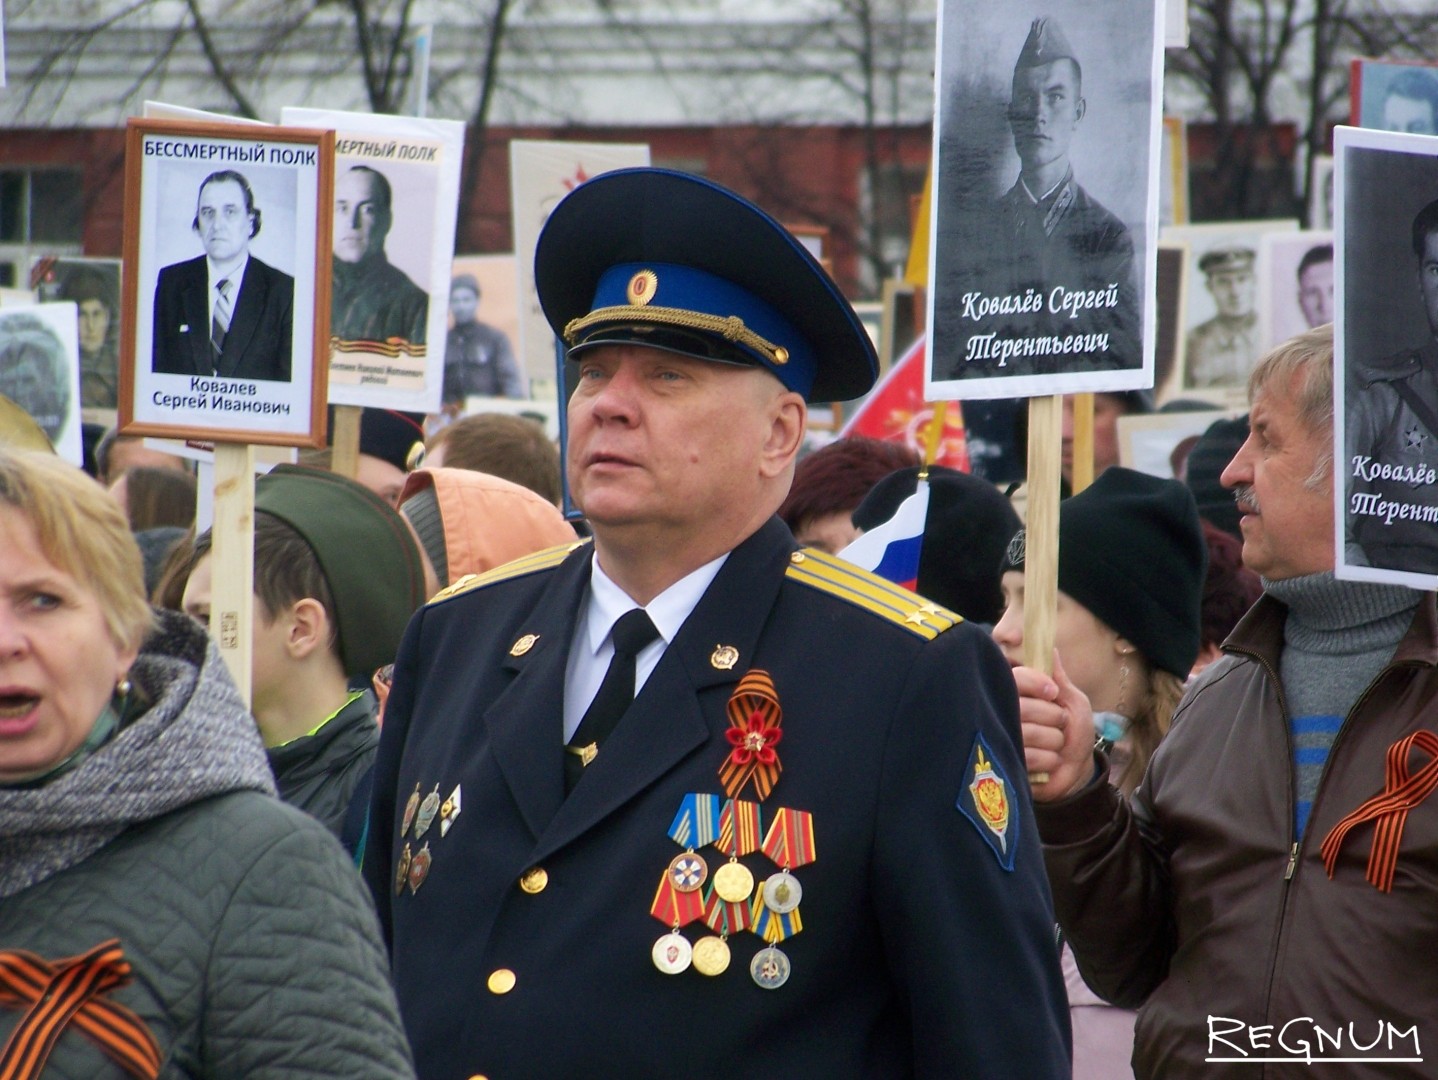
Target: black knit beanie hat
1206,462
1131,550
969,523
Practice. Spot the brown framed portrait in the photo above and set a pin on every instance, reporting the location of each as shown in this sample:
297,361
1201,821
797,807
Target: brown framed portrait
225,322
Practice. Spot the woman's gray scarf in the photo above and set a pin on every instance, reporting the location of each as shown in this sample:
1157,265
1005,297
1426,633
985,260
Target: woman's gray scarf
197,740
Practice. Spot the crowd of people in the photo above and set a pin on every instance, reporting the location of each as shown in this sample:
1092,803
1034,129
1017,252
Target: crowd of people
427,840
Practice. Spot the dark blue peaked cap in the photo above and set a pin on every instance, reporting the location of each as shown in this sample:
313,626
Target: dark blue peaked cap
674,261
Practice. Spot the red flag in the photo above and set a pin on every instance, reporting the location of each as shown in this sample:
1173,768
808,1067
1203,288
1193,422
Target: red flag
897,412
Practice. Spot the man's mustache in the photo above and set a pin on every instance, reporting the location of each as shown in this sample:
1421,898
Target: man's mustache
1245,499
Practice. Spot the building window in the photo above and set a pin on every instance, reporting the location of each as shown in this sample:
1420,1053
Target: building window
41,206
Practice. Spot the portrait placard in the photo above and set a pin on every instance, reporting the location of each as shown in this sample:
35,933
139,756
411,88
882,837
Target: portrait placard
396,203
1394,95
93,285
40,372
225,325
1386,362
1221,332
481,364
1045,198
1296,291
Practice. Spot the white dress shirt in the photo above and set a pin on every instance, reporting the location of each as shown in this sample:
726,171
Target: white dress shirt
593,648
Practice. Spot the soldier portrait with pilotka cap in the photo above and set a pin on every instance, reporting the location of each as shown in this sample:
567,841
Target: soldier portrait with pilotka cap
691,797
1042,264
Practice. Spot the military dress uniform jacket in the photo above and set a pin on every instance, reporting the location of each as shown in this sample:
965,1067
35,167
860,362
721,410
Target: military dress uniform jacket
525,949
1384,432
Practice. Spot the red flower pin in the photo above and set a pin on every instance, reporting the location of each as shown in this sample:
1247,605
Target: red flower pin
754,731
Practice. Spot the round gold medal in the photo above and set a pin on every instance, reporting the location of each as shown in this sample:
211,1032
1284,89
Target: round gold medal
733,882
711,955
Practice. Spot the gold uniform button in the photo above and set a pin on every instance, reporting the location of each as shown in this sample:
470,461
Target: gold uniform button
479,1076
501,981
797,557
534,881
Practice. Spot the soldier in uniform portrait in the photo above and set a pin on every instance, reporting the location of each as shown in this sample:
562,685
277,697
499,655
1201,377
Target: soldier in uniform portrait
1392,421
1048,232
689,799
371,299
1221,350
478,359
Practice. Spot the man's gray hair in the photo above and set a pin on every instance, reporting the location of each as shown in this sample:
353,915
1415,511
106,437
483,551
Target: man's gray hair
1309,355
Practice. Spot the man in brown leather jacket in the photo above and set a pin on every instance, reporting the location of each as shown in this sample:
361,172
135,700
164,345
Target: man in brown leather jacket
1256,901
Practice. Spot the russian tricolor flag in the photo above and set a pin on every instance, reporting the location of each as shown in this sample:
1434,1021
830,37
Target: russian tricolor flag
892,549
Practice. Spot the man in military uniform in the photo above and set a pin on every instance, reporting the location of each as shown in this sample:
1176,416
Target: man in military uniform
805,847
1221,350
477,357
371,299
1392,428
1048,233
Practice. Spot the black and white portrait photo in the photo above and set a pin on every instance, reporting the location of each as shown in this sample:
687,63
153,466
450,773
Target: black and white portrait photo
1045,191
93,286
39,373
1296,292
225,312
1392,95
1386,402
224,238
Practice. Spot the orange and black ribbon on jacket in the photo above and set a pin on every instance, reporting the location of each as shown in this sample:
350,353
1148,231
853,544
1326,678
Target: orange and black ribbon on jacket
754,730
1403,789
57,993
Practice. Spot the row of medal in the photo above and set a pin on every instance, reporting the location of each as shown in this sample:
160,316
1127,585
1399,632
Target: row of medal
411,868
727,901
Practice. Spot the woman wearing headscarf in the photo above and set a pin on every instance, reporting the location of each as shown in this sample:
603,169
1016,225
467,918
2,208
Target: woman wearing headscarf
1132,558
161,912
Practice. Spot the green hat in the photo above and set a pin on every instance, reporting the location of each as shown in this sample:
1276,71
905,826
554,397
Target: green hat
1045,44
367,554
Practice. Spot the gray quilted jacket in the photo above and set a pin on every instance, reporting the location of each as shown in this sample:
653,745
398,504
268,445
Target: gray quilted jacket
253,942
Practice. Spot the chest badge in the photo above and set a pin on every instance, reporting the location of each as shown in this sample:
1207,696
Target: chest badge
523,645
724,657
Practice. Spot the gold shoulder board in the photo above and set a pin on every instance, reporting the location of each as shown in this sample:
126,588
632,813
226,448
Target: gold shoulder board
871,592
527,564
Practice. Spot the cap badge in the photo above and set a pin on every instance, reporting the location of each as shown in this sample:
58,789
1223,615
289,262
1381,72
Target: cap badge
642,287
1017,552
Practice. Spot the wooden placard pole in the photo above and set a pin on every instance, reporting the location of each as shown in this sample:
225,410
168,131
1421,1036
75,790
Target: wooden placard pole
344,449
1041,555
1083,443
232,567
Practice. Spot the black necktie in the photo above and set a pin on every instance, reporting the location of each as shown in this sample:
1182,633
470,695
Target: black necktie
631,633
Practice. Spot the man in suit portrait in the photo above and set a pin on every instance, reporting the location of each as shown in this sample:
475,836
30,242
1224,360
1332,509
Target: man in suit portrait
864,896
224,313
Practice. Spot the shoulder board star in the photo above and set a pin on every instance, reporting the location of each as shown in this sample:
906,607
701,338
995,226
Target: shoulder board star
846,581
528,564
1414,438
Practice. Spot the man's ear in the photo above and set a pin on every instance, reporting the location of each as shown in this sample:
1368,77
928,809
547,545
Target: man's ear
788,418
310,628
1081,110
